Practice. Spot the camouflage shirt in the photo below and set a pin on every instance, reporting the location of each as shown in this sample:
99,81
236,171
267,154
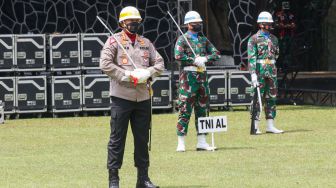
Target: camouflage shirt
200,45
261,47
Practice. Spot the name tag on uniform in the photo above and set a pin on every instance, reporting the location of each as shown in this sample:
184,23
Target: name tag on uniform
145,54
145,58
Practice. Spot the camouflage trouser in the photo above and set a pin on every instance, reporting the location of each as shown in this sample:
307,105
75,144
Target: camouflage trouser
193,93
267,78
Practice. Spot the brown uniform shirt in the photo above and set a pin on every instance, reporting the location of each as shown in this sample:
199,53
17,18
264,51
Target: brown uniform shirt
114,62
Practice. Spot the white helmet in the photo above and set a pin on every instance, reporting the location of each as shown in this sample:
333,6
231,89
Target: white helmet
192,16
265,17
129,12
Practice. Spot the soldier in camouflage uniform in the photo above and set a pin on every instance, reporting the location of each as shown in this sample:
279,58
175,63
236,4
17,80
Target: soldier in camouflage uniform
194,88
263,50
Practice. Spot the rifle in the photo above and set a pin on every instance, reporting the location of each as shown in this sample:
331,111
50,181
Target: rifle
254,105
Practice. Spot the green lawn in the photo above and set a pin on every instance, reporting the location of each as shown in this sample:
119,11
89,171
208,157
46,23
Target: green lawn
71,152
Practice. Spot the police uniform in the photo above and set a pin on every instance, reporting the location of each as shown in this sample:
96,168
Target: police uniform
129,103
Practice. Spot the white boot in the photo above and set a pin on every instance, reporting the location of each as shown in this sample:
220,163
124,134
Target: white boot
256,125
271,128
180,144
202,144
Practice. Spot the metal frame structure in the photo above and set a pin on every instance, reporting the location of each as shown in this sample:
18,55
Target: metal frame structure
62,79
220,90
7,55
56,54
179,8
86,53
99,78
23,80
2,114
11,97
311,96
164,76
230,89
22,55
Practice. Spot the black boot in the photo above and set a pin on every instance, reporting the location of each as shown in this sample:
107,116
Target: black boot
113,178
143,179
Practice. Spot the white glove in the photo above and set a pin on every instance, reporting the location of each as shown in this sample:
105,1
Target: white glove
200,61
141,74
127,76
254,79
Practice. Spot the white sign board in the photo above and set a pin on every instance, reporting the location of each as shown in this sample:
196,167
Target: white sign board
212,124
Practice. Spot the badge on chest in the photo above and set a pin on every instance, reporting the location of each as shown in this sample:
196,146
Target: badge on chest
145,57
124,61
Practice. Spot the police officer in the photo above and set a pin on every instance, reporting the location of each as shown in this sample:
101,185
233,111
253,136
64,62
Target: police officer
263,50
130,98
194,87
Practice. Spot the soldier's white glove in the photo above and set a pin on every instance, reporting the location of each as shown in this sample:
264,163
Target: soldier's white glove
200,61
141,74
254,79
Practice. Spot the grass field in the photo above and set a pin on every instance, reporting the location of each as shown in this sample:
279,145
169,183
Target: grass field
71,152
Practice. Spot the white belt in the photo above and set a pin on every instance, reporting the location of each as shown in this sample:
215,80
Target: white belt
266,61
192,68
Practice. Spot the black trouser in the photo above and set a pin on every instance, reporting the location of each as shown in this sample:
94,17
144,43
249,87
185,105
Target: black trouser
123,111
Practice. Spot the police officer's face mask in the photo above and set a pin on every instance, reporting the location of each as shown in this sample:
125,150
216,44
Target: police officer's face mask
196,27
133,27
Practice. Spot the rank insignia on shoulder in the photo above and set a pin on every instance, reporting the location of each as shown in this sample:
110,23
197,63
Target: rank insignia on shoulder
124,40
112,40
123,36
141,41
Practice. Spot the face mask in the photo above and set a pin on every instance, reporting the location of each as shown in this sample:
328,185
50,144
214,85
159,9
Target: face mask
266,27
133,27
197,27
